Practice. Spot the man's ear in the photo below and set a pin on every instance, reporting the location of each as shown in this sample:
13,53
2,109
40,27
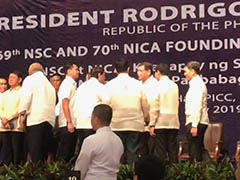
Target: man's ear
115,71
149,72
192,71
20,80
98,75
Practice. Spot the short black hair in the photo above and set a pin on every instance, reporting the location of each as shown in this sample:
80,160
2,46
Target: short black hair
96,70
121,65
147,66
104,113
195,65
163,69
149,167
55,74
67,66
3,78
18,73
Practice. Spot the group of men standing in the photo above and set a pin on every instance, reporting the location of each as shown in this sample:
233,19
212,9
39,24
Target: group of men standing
11,137
144,113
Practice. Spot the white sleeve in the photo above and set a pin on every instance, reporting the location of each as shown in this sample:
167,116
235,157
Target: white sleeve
84,158
25,95
74,103
64,91
195,102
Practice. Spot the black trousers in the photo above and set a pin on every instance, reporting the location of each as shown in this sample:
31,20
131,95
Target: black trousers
12,147
0,148
81,135
196,143
147,144
166,143
40,139
131,143
67,143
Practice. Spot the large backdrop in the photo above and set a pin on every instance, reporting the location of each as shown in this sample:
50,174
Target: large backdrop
97,32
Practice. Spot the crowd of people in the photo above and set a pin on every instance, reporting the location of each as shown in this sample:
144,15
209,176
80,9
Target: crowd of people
50,118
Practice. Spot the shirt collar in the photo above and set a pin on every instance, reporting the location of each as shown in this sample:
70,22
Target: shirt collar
123,75
15,88
38,72
194,79
70,79
103,129
93,79
148,80
164,78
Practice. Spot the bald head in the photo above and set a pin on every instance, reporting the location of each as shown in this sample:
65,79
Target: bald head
35,67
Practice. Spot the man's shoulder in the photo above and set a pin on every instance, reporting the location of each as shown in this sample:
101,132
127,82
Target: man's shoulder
172,83
98,140
65,80
112,81
91,140
90,86
197,83
5,92
131,79
83,85
66,83
27,79
93,82
35,78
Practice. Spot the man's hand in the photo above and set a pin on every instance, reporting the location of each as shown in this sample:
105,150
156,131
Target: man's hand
151,131
21,122
70,127
66,111
194,131
4,122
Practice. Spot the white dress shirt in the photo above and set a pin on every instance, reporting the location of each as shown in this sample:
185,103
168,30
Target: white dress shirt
99,158
9,107
67,90
164,112
0,112
128,102
150,87
38,99
150,90
88,95
196,102
0,96
0,103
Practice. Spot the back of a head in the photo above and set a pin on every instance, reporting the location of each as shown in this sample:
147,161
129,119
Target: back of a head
55,74
163,69
121,65
149,168
104,113
67,66
195,65
96,70
35,67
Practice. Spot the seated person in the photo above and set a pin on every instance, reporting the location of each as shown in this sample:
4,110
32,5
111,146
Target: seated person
99,158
